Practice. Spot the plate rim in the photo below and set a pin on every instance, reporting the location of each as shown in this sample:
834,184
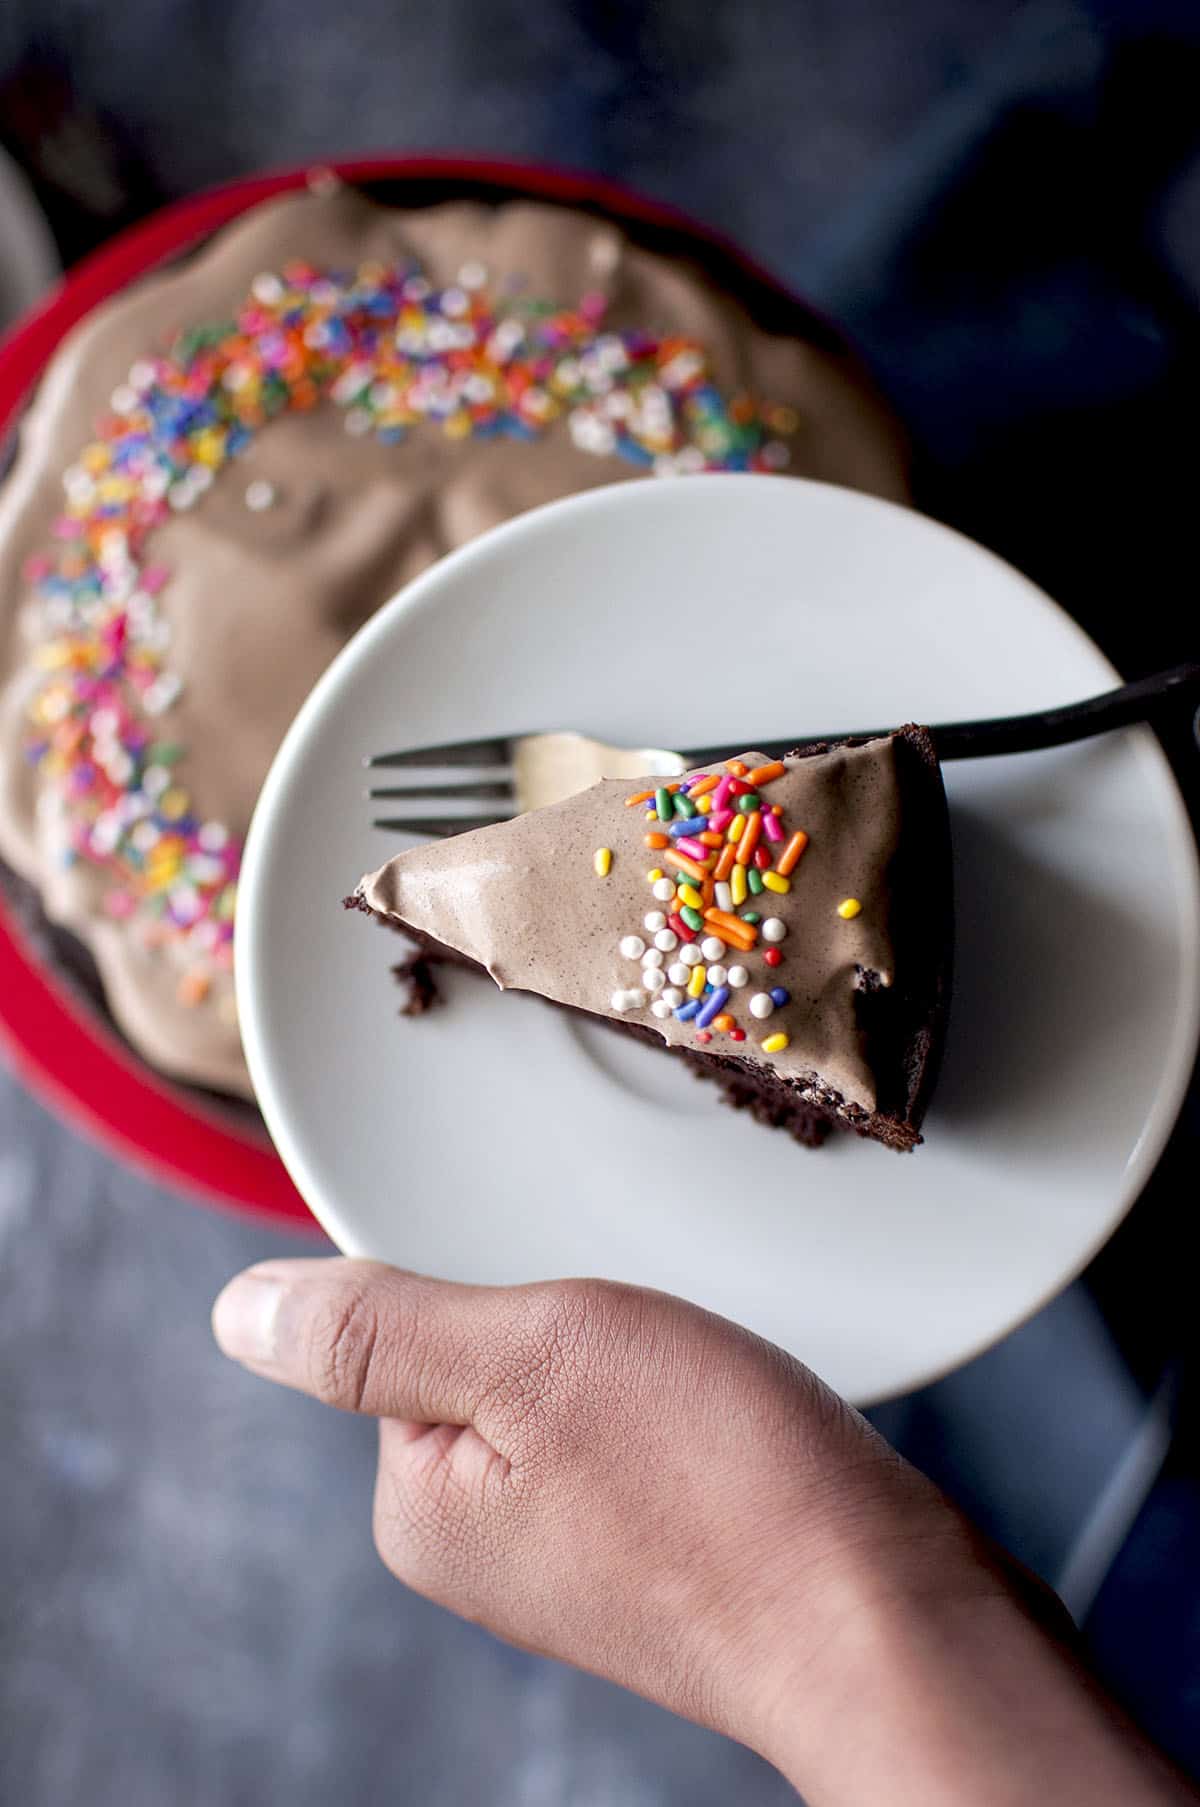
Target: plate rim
1183,853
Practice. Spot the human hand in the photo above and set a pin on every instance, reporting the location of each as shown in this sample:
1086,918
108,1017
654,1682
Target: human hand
619,1479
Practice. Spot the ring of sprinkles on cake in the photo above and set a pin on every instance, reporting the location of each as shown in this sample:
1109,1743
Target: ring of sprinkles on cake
471,360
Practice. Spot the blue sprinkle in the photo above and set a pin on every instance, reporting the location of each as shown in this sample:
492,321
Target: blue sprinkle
780,996
687,1011
712,1006
687,825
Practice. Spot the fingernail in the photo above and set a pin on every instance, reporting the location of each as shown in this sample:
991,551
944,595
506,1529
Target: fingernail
244,1317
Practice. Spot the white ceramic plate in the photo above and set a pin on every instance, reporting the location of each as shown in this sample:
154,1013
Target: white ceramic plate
498,1140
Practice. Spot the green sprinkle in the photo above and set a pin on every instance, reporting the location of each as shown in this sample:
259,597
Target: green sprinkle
692,917
754,880
163,752
751,916
684,805
748,802
663,804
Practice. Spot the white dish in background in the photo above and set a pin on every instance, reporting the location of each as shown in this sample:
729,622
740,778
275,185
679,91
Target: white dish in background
498,1140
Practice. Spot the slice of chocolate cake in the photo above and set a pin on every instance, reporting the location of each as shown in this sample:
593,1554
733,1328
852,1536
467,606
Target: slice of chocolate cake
786,924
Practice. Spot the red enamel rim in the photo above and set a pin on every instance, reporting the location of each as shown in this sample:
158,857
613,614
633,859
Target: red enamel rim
63,1052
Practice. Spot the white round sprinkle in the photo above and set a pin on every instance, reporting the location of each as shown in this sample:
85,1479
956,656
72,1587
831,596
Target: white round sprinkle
633,947
660,1007
690,954
717,976
654,920
664,890
678,974
358,421
473,275
652,979
632,999
667,940
212,837
653,956
141,375
711,948
773,929
267,288
260,495
672,997
124,399
737,976
762,1004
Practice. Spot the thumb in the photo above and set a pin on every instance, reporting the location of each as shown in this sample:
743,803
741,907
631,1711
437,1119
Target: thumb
367,1337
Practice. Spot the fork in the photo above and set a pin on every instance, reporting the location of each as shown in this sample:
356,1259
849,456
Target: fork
513,773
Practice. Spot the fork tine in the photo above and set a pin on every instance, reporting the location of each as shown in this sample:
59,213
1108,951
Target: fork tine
451,752
437,825
413,792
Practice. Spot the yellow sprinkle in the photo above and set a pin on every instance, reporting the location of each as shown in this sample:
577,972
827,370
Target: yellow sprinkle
602,861
208,447
173,804
734,831
849,908
688,894
737,885
773,882
697,982
458,426
775,1044
52,655
654,874
95,458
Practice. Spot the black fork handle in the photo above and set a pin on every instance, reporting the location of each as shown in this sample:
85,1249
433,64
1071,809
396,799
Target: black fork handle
1153,700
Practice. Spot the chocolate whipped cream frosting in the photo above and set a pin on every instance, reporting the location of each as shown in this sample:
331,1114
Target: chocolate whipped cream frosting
302,536
525,900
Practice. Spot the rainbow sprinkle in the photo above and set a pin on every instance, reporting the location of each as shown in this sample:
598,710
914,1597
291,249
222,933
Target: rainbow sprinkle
396,354
703,897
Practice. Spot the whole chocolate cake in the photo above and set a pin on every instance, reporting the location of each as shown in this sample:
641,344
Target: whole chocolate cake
228,468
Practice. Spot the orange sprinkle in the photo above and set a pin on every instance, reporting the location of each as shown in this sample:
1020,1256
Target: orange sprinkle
763,774
725,859
749,840
193,988
736,767
791,853
707,891
656,840
644,796
723,1022
706,784
732,927
710,839
685,865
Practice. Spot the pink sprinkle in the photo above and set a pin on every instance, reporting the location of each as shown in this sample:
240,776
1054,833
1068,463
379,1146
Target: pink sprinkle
153,578
721,794
36,567
719,819
119,903
704,1035
771,828
593,305
695,850
67,529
